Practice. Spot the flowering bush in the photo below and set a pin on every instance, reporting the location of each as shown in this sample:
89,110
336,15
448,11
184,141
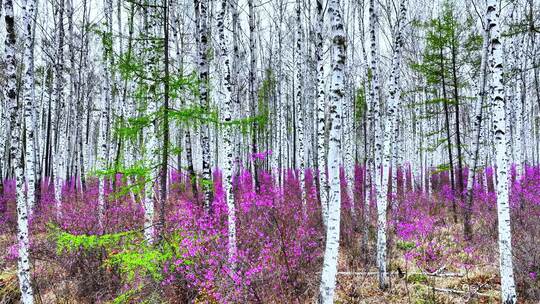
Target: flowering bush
280,235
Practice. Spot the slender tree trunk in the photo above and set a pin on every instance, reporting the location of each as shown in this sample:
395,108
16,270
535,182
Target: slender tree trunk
321,113
459,174
448,134
165,148
508,288
29,103
60,119
299,101
252,78
202,7
390,129
379,188
477,133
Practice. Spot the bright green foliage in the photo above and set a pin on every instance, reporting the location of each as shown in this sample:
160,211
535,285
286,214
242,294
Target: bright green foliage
67,242
138,174
129,66
127,252
146,260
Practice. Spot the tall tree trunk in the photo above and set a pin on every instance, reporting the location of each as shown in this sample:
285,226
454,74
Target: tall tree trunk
152,130
379,188
321,112
29,103
459,174
508,288
390,129
165,148
59,131
225,93
252,87
23,261
202,7
299,101
329,272
477,133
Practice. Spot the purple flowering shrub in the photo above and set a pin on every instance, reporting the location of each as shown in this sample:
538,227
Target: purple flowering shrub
280,235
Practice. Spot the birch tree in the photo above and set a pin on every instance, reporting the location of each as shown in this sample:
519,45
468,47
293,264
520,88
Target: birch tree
29,104
225,90
321,111
389,140
299,101
59,126
23,260
477,132
376,175
329,272
201,7
508,288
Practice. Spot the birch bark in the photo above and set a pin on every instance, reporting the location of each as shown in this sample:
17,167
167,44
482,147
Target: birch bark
328,276
508,288
321,112
29,103
225,94
23,261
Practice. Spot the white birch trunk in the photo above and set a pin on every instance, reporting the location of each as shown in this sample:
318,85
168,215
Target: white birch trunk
328,276
29,103
508,288
104,102
321,112
379,169
204,99
299,101
23,261
225,90
477,132
59,132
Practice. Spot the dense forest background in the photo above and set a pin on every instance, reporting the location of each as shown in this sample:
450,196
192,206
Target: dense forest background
205,151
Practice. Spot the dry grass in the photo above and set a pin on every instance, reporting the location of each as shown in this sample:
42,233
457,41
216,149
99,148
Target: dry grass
9,287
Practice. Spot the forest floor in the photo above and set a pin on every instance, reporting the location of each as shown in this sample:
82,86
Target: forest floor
407,284
479,285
